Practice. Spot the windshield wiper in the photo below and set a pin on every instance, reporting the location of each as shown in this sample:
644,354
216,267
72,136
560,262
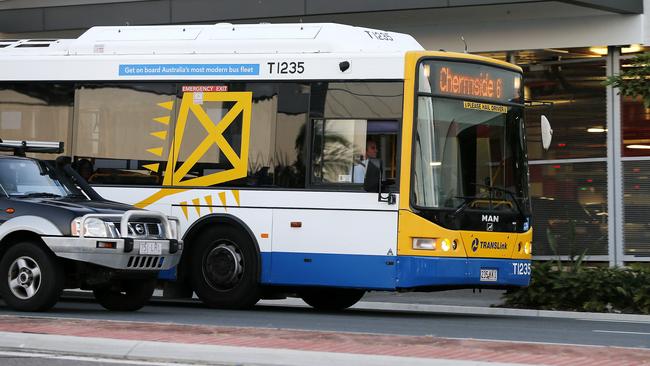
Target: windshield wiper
40,194
463,206
504,190
76,195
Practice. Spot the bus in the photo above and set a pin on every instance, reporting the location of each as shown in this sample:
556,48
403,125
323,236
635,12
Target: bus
313,160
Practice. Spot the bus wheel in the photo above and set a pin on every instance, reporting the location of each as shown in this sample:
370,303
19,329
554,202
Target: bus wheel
224,267
33,278
128,295
331,299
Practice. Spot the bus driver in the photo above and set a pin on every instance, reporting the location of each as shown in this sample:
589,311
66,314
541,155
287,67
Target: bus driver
359,168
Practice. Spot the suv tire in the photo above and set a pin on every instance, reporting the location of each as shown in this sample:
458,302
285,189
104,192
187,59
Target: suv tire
35,277
129,295
331,299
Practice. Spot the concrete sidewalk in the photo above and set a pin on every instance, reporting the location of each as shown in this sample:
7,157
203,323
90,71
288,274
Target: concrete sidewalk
166,352
210,345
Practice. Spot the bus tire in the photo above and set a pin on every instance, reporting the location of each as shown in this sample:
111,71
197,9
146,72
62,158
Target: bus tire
224,268
331,299
128,295
35,277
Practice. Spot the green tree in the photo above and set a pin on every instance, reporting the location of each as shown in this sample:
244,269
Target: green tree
635,80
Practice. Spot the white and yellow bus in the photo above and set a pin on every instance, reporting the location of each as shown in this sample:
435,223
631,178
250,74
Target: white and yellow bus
316,160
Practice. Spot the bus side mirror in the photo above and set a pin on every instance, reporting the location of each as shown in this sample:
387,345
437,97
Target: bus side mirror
547,132
372,180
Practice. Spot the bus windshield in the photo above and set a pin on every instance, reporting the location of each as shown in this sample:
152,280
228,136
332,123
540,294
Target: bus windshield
469,155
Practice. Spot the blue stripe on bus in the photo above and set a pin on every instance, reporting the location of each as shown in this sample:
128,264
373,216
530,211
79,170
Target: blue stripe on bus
168,274
338,270
440,271
376,272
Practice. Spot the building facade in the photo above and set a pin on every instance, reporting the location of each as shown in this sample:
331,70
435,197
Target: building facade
590,190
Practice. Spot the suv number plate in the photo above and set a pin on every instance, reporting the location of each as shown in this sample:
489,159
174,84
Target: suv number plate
488,275
151,248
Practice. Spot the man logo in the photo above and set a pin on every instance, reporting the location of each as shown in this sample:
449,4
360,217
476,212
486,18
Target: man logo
139,229
475,244
490,226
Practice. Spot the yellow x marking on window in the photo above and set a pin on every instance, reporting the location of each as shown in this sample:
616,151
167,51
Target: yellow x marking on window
214,136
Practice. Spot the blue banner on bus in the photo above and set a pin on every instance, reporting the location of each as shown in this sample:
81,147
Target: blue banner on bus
189,69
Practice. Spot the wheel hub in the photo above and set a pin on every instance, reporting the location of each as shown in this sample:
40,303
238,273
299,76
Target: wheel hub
223,266
24,277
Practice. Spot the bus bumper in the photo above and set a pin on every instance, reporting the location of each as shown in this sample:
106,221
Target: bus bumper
413,272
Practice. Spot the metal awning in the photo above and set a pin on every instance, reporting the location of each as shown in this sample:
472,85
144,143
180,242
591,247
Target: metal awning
22,16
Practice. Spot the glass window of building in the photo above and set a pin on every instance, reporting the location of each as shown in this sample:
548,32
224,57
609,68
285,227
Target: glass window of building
635,149
568,183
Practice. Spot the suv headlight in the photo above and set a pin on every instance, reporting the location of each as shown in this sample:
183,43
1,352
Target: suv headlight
92,227
174,224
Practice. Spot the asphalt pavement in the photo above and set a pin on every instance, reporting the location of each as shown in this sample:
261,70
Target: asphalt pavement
404,323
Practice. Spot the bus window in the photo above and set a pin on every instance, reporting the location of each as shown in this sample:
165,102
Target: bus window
342,147
276,142
36,112
290,135
122,130
352,122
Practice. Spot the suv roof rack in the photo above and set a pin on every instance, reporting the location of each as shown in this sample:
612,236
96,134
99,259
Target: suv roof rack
21,147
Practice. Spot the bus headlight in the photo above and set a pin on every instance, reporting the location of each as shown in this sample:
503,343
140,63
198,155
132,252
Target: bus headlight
424,244
445,245
528,247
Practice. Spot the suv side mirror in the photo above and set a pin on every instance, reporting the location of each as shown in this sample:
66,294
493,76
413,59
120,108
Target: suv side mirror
372,180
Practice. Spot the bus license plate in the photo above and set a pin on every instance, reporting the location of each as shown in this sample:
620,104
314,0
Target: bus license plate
488,275
151,248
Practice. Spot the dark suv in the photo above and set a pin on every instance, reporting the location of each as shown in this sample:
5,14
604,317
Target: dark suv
56,232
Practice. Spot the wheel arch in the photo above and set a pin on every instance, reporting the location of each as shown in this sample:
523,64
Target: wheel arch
22,235
215,219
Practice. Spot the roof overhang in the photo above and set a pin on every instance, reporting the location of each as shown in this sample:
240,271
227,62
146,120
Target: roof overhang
22,16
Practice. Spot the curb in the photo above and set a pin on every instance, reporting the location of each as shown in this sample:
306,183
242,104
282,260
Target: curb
472,310
427,308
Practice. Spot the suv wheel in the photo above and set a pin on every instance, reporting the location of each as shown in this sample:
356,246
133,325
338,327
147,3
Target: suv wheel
34,277
331,299
127,295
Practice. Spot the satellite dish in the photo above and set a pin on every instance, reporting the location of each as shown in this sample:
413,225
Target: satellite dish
547,132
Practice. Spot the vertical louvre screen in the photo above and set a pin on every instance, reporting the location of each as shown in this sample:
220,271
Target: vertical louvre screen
562,193
636,207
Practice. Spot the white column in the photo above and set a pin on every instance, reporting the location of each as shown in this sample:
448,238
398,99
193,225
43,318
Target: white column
614,164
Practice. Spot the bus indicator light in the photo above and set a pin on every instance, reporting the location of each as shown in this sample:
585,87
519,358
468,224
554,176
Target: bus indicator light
424,244
444,245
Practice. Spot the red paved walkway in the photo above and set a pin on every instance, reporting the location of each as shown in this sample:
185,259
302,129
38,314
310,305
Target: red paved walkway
375,344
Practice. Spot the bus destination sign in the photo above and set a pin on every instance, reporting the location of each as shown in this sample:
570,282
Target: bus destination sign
474,81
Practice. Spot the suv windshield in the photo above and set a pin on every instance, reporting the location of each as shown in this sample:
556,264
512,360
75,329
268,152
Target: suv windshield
32,178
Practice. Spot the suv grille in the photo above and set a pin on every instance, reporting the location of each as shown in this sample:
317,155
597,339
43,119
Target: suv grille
150,230
144,262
